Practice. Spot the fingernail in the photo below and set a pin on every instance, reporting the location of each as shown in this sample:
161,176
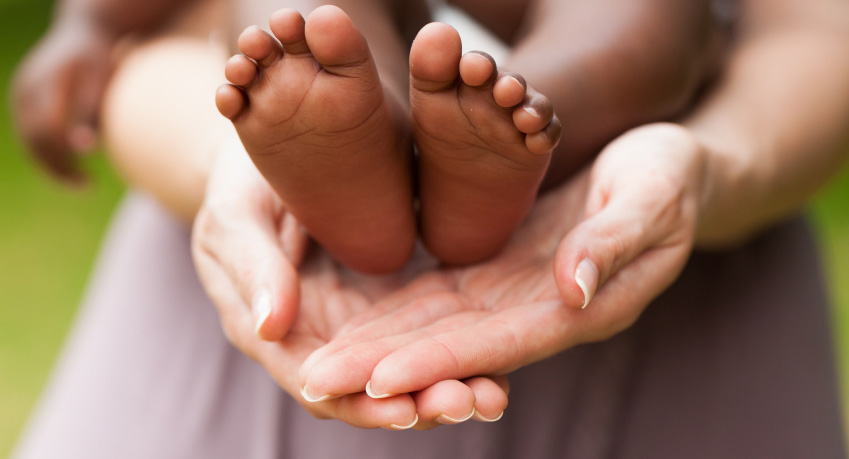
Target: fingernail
374,394
481,417
310,398
409,426
445,419
586,276
261,308
532,111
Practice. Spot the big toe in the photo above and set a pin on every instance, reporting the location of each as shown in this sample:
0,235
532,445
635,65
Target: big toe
335,41
435,57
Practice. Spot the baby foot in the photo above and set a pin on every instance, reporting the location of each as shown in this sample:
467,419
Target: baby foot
484,140
314,117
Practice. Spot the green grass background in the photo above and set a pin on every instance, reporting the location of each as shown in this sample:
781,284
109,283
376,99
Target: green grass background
49,239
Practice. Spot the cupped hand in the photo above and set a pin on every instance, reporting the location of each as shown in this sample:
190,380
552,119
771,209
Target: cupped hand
609,241
279,301
57,92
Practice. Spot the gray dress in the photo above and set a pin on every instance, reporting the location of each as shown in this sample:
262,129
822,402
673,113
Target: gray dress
734,361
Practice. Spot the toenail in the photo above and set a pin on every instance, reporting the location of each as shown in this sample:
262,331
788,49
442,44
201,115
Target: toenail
531,111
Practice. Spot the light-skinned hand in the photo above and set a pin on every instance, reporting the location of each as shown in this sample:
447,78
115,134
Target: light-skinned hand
612,240
247,248
57,94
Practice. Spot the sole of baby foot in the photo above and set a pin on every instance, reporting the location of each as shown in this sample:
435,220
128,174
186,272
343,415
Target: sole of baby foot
484,139
311,110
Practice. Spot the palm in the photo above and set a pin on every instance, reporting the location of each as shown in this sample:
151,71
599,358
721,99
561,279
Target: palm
434,303
508,312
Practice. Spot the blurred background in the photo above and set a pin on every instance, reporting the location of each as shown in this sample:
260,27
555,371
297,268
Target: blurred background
49,238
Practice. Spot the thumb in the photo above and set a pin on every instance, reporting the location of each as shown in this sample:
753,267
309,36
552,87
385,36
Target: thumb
271,289
593,251
256,266
631,243
243,230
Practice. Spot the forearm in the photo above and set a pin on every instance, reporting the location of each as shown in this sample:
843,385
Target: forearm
776,128
611,65
161,133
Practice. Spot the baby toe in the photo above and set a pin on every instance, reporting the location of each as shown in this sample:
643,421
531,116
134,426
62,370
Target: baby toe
533,115
240,70
477,68
258,45
509,90
288,26
544,141
230,101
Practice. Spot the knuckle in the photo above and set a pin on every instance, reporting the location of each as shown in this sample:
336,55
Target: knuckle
614,245
244,269
213,219
618,324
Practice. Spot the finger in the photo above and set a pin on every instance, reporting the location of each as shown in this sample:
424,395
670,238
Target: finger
243,238
632,221
521,335
360,410
280,359
483,399
444,403
253,261
490,397
350,369
496,344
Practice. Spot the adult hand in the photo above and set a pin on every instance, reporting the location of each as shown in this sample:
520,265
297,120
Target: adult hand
57,93
612,239
247,248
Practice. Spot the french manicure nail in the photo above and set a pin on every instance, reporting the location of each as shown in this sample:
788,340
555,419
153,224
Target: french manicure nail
531,111
261,308
409,426
586,276
481,417
374,394
310,398
445,419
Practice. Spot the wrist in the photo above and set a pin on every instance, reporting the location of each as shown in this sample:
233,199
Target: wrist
726,186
